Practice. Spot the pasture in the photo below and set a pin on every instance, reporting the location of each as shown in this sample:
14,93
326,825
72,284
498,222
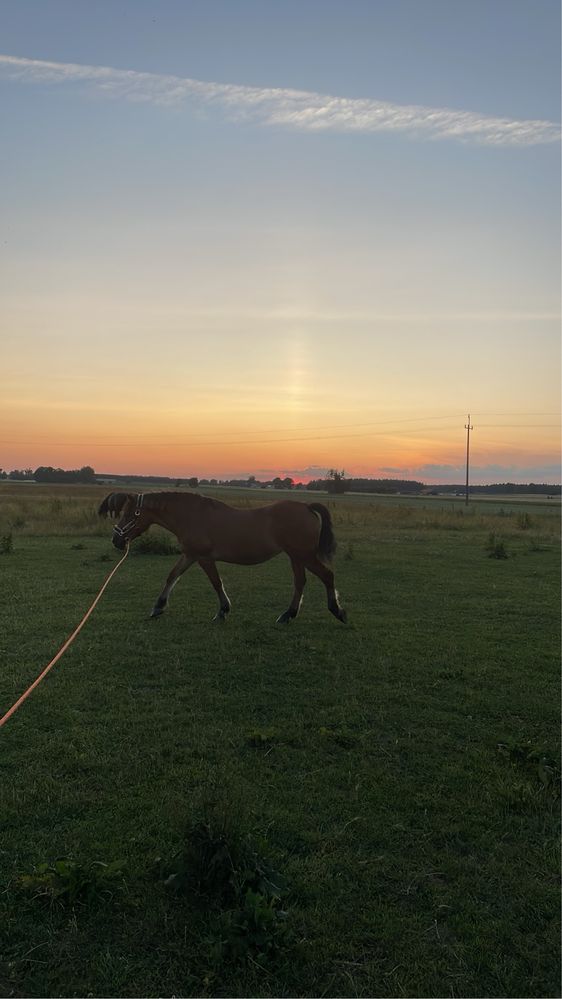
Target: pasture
252,809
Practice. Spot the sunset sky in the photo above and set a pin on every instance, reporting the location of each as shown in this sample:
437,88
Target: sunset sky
279,236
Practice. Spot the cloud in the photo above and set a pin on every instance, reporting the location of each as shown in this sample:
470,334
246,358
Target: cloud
297,109
489,473
448,471
310,472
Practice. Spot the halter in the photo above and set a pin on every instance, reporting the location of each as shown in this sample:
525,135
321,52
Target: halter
122,532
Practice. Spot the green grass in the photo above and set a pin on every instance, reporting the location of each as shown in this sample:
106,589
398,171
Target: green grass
399,776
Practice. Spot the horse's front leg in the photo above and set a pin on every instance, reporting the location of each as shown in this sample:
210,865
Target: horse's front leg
181,565
210,568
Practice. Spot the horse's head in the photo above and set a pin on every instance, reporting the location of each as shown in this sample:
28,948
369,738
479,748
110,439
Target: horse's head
133,517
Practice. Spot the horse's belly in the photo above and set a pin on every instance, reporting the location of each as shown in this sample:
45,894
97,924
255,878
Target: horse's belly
246,538
247,554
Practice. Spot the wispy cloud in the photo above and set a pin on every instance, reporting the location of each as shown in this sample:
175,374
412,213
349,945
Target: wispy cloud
311,471
297,109
489,473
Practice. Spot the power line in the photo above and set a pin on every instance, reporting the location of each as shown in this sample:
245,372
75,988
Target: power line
280,430
188,442
520,414
532,426
223,443
106,440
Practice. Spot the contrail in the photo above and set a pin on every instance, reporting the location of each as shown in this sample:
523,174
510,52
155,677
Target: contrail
297,109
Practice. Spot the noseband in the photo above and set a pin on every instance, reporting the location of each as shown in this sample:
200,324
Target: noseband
122,532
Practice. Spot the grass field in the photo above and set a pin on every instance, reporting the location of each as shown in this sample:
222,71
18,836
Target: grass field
253,809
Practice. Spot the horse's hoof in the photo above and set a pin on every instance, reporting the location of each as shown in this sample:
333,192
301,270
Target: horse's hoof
157,612
222,614
285,618
342,616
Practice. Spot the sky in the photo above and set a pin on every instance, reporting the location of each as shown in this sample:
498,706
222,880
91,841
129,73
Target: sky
261,237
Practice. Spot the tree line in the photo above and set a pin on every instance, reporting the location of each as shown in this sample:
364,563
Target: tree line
46,473
335,482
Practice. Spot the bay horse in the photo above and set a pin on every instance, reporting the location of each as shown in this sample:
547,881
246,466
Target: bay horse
209,531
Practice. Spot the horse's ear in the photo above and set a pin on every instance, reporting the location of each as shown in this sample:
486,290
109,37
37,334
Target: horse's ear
113,504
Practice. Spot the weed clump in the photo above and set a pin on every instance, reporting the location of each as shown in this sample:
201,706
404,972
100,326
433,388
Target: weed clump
534,760
7,544
496,548
234,874
69,883
261,738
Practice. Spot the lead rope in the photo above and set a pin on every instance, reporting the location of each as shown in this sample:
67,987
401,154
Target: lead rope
68,642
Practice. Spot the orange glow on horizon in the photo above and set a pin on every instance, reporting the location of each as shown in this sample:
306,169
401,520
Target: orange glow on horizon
364,444
225,402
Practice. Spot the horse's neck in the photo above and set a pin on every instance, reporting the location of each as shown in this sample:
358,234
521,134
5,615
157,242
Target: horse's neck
168,514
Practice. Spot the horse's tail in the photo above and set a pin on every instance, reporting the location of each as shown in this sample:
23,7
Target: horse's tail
327,543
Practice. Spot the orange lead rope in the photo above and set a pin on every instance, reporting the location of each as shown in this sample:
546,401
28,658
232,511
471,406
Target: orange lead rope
68,642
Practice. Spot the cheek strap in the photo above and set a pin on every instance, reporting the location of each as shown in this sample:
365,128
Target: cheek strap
121,532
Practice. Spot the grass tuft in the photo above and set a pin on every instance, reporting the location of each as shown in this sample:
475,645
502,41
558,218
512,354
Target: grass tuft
496,548
69,883
7,544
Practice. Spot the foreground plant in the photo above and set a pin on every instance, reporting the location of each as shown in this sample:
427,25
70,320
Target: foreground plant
68,882
234,874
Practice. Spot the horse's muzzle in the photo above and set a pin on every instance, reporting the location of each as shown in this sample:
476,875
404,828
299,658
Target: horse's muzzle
118,542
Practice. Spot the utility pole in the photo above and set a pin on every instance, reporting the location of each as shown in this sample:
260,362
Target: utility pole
468,427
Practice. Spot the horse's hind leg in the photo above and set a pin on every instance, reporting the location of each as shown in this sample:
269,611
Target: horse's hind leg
210,568
162,602
327,576
294,607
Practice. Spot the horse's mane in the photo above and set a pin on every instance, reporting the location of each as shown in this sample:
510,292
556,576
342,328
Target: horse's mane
181,499
113,504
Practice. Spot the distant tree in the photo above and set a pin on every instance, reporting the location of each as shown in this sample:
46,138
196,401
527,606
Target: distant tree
193,482
178,483
288,483
19,474
336,482
46,473
3,473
